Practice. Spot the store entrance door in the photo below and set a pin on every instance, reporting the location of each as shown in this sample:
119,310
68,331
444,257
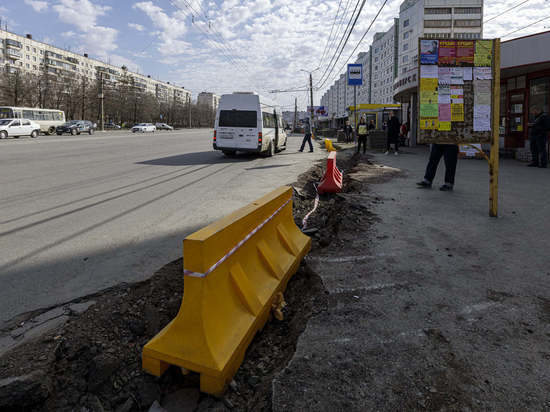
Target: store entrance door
516,118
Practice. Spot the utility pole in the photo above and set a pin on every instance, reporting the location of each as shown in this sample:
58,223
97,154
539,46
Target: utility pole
295,122
102,97
189,106
311,102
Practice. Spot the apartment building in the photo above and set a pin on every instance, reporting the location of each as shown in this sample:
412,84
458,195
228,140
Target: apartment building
390,66
384,64
208,99
31,56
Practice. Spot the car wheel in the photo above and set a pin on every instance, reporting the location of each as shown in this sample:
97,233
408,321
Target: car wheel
91,131
59,134
3,134
34,134
51,130
73,132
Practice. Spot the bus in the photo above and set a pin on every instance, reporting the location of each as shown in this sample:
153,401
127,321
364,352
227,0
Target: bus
48,119
247,122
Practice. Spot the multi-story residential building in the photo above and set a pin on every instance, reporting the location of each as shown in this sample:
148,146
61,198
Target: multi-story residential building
461,19
363,91
208,99
31,56
384,62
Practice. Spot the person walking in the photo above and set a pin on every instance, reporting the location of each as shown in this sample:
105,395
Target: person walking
393,133
349,132
307,136
371,125
539,138
362,135
450,156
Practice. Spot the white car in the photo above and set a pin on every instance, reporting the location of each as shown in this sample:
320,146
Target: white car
144,127
18,127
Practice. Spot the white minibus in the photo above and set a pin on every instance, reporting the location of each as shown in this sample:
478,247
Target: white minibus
247,122
48,119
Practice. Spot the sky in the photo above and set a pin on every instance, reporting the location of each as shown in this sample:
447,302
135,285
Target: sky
223,46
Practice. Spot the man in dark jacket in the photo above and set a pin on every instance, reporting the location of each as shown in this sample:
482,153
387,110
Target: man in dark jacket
307,136
393,133
539,137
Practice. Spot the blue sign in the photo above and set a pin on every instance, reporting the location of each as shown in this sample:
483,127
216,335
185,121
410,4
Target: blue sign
429,50
355,74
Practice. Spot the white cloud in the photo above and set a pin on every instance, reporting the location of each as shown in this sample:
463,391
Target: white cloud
38,5
68,34
136,26
172,28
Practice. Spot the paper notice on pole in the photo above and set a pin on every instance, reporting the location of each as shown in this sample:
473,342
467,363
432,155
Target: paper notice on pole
429,123
428,71
444,126
457,94
428,110
457,75
482,73
467,73
464,53
428,96
457,112
445,112
444,74
428,84
482,92
447,52
483,55
482,118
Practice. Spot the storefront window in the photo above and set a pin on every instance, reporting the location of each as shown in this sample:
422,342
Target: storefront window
511,84
539,90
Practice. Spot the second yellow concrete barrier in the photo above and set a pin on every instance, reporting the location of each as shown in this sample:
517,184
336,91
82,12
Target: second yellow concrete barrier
329,146
234,271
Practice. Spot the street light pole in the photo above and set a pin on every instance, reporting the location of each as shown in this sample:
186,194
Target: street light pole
311,97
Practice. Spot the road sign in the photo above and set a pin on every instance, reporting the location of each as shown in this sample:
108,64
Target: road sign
355,74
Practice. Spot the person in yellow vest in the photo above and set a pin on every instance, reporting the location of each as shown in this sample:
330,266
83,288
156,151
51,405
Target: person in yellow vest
362,135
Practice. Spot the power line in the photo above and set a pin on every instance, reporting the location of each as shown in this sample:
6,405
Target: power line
362,37
346,41
525,27
505,11
331,29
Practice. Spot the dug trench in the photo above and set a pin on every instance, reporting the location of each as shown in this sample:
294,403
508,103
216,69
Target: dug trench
93,361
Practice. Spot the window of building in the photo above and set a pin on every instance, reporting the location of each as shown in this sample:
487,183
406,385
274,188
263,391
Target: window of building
467,10
437,10
437,23
405,59
405,46
539,95
34,58
34,49
28,48
28,57
468,23
41,51
34,66
27,65
406,23
406,34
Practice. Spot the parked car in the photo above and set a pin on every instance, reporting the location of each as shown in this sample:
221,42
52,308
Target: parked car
18,127
75,127
144,127
163,126
111,126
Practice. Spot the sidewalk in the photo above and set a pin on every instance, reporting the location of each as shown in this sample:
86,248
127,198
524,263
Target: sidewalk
432,303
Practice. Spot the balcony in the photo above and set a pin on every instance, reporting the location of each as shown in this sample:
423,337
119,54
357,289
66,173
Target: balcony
13,43
14,54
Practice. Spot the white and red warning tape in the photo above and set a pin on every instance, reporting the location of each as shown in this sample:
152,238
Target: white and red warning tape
315,204
237,246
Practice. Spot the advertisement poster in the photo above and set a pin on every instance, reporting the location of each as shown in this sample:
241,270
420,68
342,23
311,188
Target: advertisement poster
444,126
465,53
482,118
429,51
482,92
467,73
428,71
444,75
429,123
447,52
482,73
444,95
457,75
445,112
483,54
457,94
428,84
428,97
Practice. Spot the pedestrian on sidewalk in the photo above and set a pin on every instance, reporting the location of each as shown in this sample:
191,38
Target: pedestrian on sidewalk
393,133
450,156
349,132
539,138
362,135
307,136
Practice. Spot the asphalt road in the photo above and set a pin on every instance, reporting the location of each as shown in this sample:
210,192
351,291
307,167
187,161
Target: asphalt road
80,214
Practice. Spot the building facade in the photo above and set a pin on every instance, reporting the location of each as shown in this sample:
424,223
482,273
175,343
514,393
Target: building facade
208,99
384,64
25,54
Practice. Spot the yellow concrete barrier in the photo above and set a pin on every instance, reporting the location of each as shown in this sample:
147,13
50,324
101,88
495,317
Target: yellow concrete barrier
234,270
329,146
